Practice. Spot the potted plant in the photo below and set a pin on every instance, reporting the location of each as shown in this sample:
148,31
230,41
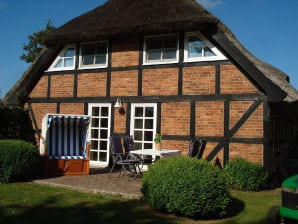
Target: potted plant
157,140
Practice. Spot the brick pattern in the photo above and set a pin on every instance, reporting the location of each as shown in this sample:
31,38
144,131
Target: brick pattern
233,81
174,144
62,85
41,88
120,120
92,84
199,80
175,118
160,82
124,83
125,52
209,118
72,108
41,109
251,152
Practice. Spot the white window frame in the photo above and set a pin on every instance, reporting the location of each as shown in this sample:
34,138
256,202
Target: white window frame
90,106
132,126
162,61
218,55
81,66
60,56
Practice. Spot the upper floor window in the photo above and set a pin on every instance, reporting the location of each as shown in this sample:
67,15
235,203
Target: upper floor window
198,48
65,60
94,55
160,50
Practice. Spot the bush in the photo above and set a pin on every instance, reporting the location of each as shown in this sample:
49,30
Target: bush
19,161
245,175
186,186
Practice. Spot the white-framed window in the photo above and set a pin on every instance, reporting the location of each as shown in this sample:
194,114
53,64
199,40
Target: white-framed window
198,48
99,134
94,55
161,49
65,60
143,124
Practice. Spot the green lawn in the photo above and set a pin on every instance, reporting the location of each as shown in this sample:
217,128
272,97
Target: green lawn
32,203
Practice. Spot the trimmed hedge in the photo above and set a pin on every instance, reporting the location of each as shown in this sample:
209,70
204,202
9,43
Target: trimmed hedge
245,175
186,186
19,161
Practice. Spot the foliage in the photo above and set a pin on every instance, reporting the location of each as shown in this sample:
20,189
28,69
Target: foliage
35,43
158,138
245,175
19,161
15,124
188,187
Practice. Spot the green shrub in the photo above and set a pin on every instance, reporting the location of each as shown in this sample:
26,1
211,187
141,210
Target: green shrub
186,186
19,161
245,175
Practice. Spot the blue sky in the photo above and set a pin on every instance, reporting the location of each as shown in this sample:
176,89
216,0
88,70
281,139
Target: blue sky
267,28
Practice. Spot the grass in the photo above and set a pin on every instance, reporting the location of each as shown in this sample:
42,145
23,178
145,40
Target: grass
32,203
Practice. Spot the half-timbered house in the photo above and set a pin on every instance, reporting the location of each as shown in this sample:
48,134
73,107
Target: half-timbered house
176,69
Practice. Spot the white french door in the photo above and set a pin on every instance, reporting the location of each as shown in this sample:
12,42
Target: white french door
99,133
143,124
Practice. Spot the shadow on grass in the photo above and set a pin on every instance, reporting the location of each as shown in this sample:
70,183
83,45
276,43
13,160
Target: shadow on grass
116,211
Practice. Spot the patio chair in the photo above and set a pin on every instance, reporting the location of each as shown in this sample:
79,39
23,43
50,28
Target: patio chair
119,157
202,145
196,147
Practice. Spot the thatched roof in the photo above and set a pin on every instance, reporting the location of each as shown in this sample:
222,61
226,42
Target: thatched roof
124,18
118,18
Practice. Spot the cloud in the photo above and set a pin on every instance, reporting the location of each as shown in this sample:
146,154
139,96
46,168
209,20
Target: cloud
210,3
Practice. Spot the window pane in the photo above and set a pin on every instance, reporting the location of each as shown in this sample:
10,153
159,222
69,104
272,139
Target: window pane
93,155
154,44
58,64
148,124
139,112
104,134
95,122
138,135
170,43
169,54
94,133
148,146
138,124
95,111
153,55
104,123
88,60
88,50
194,52
208,52
101,49
103,145
195,47
100,59
104,111
148,136
94,145
69,52
149,112
137,145
68,62
103,156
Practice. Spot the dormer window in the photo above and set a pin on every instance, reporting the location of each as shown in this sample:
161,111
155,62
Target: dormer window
65,60
161,50
198,48
94,55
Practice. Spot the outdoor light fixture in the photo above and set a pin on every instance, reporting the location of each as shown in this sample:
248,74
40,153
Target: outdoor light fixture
118,103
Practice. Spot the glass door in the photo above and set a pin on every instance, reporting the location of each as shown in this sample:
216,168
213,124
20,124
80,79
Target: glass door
143,125
99,133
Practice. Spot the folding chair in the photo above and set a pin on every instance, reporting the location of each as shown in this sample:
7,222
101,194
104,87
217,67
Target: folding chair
196,147
119,157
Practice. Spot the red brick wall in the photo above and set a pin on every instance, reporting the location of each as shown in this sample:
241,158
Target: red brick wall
175,118
210,118
233,81
199,80
40,89
62,85
92,84
72,108
162,81
125,52
251,152
124,83
120,120
41,109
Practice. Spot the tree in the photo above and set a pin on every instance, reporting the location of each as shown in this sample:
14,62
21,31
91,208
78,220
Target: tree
35,43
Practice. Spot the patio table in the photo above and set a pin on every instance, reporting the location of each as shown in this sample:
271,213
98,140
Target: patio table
157,153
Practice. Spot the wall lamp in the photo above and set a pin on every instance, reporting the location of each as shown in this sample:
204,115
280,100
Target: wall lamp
118,104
